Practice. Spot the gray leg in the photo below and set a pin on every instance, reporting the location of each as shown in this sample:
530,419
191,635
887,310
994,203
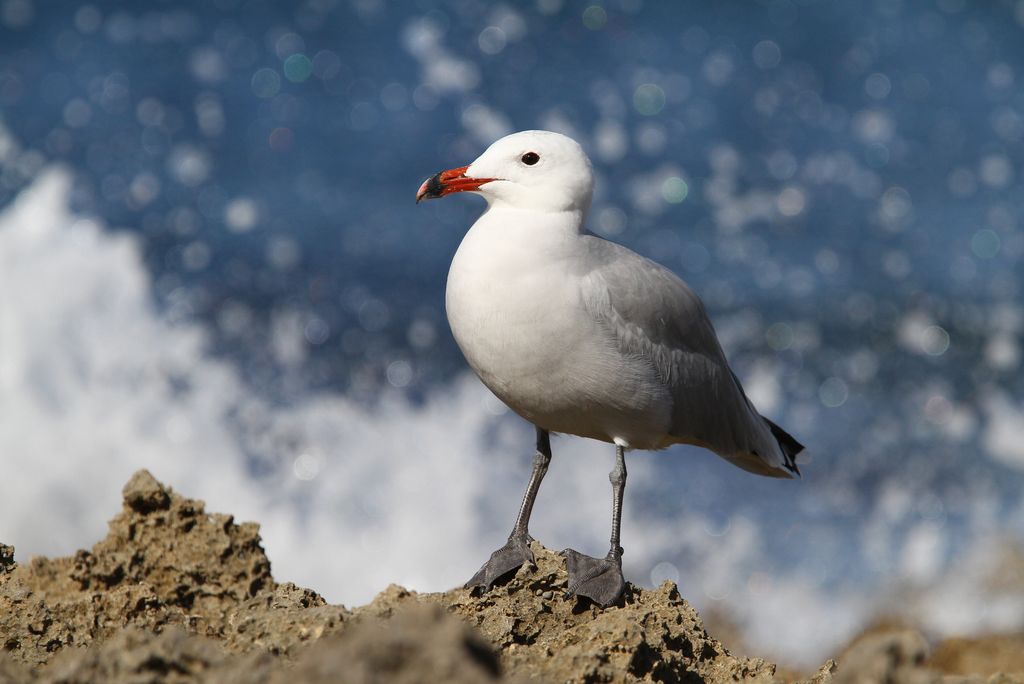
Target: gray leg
517,551
618,479
541,460
600,579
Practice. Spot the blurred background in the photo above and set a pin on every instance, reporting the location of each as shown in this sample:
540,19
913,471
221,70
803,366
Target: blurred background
211,266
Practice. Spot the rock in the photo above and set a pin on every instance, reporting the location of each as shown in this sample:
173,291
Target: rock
980,656
418,644
132,656
144,494
6,558
886,657
12,672
176,594
655,635
165,562
823,675
901,656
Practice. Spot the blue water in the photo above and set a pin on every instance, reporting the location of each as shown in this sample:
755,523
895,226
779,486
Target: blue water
841,181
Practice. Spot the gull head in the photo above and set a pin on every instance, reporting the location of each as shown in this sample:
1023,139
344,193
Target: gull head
530,170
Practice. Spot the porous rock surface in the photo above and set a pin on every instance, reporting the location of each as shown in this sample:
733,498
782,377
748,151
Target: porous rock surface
176,594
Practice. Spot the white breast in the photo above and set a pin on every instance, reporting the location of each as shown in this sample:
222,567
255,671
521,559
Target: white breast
513,303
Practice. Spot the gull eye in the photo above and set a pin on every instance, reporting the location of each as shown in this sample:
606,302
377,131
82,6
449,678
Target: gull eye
530,158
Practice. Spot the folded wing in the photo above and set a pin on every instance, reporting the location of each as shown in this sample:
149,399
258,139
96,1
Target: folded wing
653,315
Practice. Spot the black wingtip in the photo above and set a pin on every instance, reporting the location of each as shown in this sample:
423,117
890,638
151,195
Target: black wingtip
790,447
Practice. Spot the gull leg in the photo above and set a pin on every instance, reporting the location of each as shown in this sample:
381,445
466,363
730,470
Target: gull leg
600,579
517,551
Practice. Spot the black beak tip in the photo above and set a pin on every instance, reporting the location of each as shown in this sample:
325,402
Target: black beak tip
432,188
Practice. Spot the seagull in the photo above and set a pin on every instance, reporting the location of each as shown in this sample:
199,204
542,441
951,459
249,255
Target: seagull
582,336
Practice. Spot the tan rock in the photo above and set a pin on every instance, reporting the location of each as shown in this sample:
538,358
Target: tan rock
176,594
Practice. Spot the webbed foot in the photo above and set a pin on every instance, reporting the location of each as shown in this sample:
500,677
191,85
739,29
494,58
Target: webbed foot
598,579
502,562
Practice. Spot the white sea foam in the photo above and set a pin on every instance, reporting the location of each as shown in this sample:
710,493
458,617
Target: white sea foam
442,69
95,382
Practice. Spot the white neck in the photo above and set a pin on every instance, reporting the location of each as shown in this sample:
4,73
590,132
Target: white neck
531,224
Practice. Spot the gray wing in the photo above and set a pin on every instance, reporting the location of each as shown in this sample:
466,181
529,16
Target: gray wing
651,313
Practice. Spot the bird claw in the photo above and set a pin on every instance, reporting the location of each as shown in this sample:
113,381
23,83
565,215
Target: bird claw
509,557
598,579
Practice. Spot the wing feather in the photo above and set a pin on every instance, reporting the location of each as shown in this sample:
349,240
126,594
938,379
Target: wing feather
651,313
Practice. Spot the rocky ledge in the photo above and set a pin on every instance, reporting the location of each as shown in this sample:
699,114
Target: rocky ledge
176,594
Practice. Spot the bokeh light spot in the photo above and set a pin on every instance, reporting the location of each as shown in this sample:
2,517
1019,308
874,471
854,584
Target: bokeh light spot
937,409
288,44
394,97
189,165
649,99
399,374
611,221
595,17
77,113
996,171
674,190
492,40
326,65
306,467
88,19
664,571
779,336
833,392
16,14
266,83
281,139
298,68
316,331
1000,75
694,257
985,243
791,201
767,55
934,340
241,215
877,86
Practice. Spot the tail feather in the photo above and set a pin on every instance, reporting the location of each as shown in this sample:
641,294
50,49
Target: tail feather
790,447
787,443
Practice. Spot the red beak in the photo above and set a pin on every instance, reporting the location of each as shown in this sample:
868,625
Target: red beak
447,182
